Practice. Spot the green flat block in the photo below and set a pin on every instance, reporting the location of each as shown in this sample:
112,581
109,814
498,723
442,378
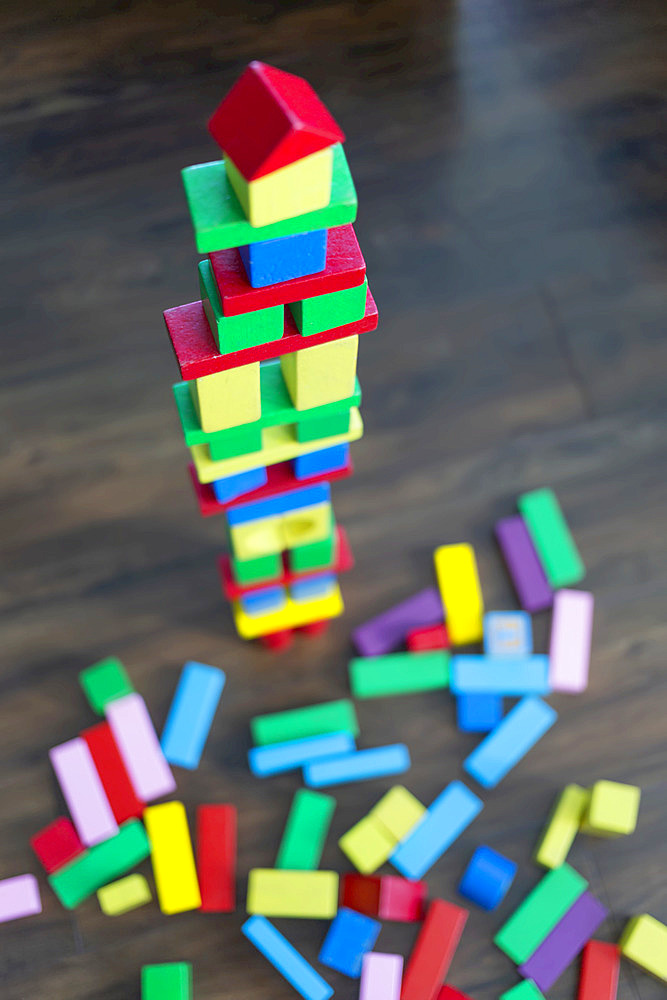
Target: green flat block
326,312
306,830
316,555
259,570
234,333
100,864
105,681
539,913
300,723
171,981
527,990
399,673
551,537
323,427
240,442
219,221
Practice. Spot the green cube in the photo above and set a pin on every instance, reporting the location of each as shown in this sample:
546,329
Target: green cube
241,442
100,864
327,312
316,555
259,570
234,333
104,682
323,427
169,981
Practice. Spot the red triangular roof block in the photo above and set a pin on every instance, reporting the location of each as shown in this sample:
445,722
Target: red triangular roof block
269,119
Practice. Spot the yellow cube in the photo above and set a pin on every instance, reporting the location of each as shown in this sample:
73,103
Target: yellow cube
612,809
367,844
302,186
227,399
398,812
124,895
324,374
280,892
562,826
458,580
644,942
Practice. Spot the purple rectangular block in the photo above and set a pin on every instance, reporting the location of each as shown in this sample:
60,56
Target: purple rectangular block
523,564
387,631
560,948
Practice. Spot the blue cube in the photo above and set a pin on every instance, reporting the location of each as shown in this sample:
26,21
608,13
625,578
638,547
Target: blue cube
264,601
508,633
271,261
232,487
478,713
312,588
487,878
318,463
349,937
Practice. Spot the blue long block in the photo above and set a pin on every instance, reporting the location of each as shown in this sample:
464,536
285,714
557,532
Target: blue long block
445,820
191,713
271,261
275,758
503,675
358,766
235,486
280,504
508,633
487,878
510,741
478,713
284,957
349,937
264,601
311,587
318,463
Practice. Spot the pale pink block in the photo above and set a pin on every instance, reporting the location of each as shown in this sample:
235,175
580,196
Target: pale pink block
380,976
19,897
83,791
570,648
139,747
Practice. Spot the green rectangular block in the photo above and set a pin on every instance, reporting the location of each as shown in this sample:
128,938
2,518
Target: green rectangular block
551,537
259,570
539,913
316,555
105,681
399,673
244,440
234,333
100,864
327,312
323,427
300,723
306,830
527,990
169,981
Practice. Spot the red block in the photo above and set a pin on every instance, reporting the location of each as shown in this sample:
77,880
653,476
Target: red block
271,118
314,628
276,641
598,979
449,993
113,775
401,899
433,951
216,857
361,893
57,844
430,637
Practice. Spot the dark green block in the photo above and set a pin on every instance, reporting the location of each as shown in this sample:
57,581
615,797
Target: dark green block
104,682
244,440
234,333
169,981
323,427
264,568
100,864
317,555
327,312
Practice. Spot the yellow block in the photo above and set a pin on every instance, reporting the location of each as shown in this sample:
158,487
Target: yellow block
612,809
397,812
644,942
302,186
227,399
456,569
367,844
281,531
292,615
173,861
278,892
562,826
124,895
323,374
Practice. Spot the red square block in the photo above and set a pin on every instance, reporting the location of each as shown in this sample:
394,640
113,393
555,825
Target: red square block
57,844
401,899
361,893
419,640
216,857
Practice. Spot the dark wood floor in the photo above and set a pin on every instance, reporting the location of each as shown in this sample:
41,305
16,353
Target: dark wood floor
511,180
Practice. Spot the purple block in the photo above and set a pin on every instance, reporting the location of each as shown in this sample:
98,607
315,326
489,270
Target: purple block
523,564
560,948
387,631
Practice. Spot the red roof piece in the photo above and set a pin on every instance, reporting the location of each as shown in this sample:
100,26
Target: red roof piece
270,119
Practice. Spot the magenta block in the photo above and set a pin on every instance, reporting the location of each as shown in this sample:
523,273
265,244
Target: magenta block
523,564
560,948
387,631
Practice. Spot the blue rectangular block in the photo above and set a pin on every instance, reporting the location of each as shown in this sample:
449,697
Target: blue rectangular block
445,820
275,758
478,713
280,504
264,601
312,587
503,675
191,713
318,463
359,766
510,741
508,633
271,261
235,486
349,937
286,959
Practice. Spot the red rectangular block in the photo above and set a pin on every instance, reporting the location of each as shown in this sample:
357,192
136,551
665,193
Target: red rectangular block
433,951
598,979
401,899
57,844
216,857
361,893
114,777
419,640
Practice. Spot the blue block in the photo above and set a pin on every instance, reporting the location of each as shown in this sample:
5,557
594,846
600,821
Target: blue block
264,601
275,758
310,588
510,741
191,713
317,463
502,675
487,878
445,820
478,713
286,959
508,633
232,487
349,937
358,766
280,504
271,261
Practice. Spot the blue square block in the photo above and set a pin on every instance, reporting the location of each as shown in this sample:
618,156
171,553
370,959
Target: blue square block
232,487
311,588
349,937
508,633
271,261
318,463
487,878
264,601
478,713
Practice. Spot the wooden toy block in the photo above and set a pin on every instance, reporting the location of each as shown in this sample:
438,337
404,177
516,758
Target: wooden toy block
433,950
398,811
361,893
254,539
445,820
315,628
478,713
101,864
322,460
399,673
523,564
267,600
510,741
381,976
427,637
277,758
301,187
503,675
103,682
508,633
322,312
56,845
274,892
461,593
359,765
191,713
235,333
83,791
367,845
644,942
235,442
487,878
128,893
523,991
562,826
276,641
281,503
125,803
172,858
294,615
139,748
254,571
233,487
226,399
216,841
322,374
351,935
19,897
449,993
310,588
323,427
286,959
612,809
570,646
306,830
167,981
562,945
319,555
401,899
387,631
600,965
301,723
272,262
551,537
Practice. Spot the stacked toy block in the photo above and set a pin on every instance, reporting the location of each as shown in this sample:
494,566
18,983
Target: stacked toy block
268,355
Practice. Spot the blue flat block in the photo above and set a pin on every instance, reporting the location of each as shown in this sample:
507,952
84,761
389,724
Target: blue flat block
445,820
191,713
232,487
271,261
284,957
280,504
349,937
359,766
312,587
510,741
508,633
487,878
502,675
264,601
478,713
317,463
275,758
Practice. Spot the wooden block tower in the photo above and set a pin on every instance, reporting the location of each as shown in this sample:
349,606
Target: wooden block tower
269,398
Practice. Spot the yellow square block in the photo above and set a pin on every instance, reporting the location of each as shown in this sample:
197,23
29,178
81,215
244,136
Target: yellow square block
227,399
124,895
562,826
367,844
612,809
281,531
458,580
302,186
324,374
644,942
171,854
280,892
292,615
397,812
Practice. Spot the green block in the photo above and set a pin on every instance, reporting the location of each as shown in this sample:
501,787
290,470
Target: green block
539,913
551,537
327,312
242,441
323,427
100,864
399,673
315,555
170,981
306,830
220,222
300,723
234,333
105,681
527,990
259,570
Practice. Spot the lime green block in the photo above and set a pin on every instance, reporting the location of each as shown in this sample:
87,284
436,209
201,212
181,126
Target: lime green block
244,439
551,537
399,673
323,427
234,333
259,570
300,723
100,864
527,990
539,913
171,981
105,681
327,312
306,830
316,555
220,222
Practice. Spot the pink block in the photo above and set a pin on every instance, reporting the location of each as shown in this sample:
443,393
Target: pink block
570,648
401,899
139,747
380,976
83,791
19,897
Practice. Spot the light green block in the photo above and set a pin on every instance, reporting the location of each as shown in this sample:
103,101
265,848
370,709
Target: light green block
235,333
105,681
100,864
306,830
527,990
399,673
327,312
323,427
170,981
260,570
551,537
300,723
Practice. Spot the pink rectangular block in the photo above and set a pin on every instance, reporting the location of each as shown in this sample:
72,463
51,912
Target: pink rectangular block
19,897
380,976
83,791
139,747
570,648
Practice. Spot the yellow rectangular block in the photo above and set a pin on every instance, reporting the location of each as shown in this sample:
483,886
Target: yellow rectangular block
300,187
324,374
280,892
367,844
458,580
397,812
644,942
124,895
227,399
562,826
612,809
171,854
292,615
281,531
